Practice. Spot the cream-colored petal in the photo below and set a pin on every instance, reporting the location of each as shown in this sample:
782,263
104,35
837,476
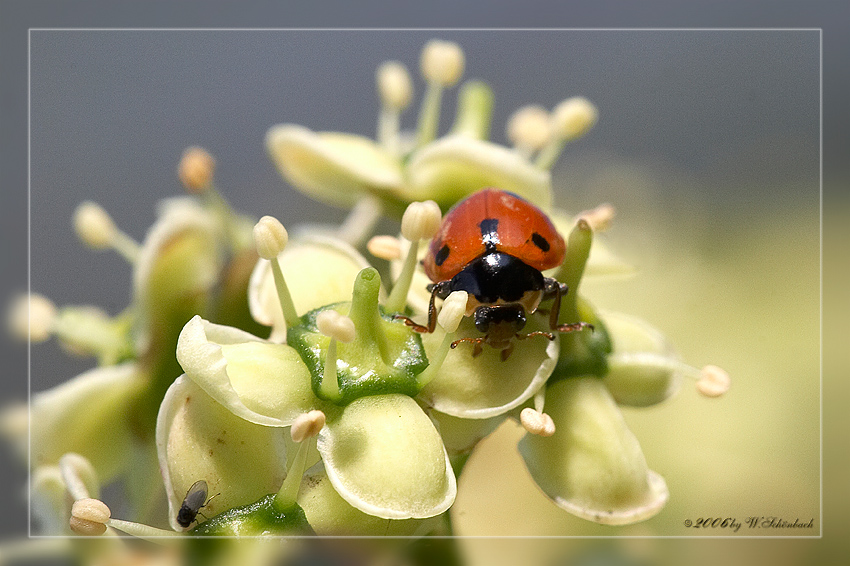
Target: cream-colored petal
454,167
256,380
331,515
592,466
332,167
384,457
602,262
642,367
319,270
485,386
86,415
199,439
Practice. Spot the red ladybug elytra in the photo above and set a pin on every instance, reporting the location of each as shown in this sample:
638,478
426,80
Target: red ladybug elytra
494,245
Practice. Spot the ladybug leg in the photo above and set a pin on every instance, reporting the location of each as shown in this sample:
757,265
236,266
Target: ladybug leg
476,348
557,290
436,289
506,353
548,335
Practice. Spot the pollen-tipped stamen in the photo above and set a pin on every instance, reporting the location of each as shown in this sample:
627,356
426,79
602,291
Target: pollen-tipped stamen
303,431
421,221
361,221
451,313
78,475
96,229
32,317
142,531
271,238
711,381
442,65
529,129
395,90
571,119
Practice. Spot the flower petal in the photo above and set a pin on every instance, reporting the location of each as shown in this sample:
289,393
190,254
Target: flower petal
256,380
199,439
318,270
454,167
331,515
485,386
384,457
592,466
641,369
90,411
332,167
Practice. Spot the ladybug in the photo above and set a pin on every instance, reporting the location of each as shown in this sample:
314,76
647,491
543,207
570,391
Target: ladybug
494,245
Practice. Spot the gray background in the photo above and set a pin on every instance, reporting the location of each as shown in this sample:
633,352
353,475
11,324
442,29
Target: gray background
112,110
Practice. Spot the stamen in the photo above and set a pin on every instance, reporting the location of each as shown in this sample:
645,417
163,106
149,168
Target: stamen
338,328
96,229
196,169
711,381
537,422
442,65
304,429
89,517
395,90
451,313
571,119
421,221
31,317
529,128
385,247
271,238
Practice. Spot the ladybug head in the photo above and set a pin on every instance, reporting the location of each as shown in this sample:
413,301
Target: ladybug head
504,319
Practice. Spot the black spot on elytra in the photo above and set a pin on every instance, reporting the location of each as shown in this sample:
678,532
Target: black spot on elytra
489,226
540,242
441,255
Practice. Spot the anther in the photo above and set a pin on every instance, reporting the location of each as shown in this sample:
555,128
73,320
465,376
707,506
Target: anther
196,169
421,220
89,517
96,229
442,62
599,218
537,422
307,425
573,118
384,247
394,85
529,128
713,381
270,237
32,317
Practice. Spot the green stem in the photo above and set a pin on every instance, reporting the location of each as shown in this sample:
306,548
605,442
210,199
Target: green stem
436,361
474,110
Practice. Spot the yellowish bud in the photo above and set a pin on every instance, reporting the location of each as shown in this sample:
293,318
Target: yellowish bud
573,117
421,220
196,169
270,237
394,85
442,62
94,226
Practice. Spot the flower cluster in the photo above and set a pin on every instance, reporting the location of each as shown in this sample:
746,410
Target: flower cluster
301,397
